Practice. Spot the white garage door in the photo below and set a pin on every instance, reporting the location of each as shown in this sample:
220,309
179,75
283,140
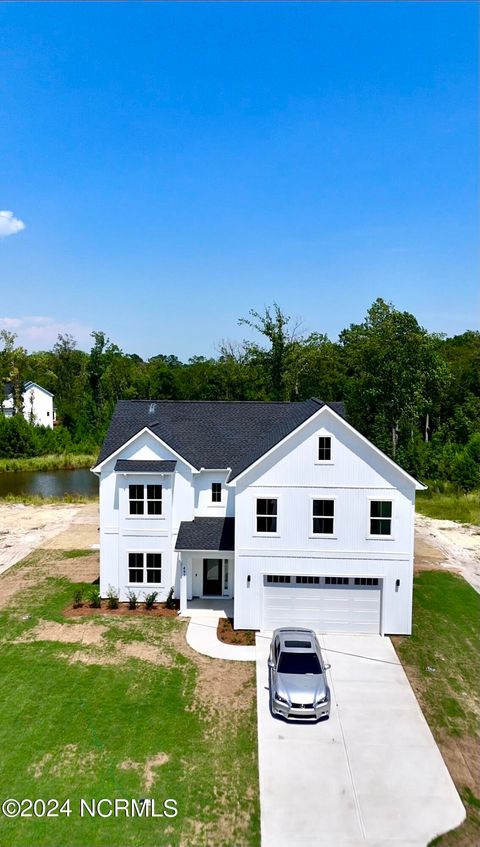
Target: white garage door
326,604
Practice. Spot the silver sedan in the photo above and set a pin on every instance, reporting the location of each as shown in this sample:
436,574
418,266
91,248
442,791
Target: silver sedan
297,678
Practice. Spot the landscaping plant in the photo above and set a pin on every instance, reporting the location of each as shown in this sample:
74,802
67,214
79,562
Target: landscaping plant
112,597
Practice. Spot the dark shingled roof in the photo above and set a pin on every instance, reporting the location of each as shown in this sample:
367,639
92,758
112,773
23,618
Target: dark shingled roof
206,534
144,466
211,434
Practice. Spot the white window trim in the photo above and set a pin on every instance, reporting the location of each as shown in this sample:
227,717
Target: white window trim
151,585
333,535
216,502
266,534
369,535
144,517
323,433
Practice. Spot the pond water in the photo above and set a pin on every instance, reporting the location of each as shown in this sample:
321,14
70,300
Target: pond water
49,483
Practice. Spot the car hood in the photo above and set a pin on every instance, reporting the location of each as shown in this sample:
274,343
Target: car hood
301,688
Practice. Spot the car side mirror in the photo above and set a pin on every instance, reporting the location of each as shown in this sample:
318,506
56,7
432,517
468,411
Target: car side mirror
271,663
327,667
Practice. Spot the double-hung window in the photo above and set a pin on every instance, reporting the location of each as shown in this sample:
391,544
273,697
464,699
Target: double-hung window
145,568
216,492
324,448
139,495
154,499
136,499
266,518
323,517
380,517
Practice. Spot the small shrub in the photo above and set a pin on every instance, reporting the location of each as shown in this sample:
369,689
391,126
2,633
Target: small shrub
132,599
170,602
94,597
112,597
77,598
150,599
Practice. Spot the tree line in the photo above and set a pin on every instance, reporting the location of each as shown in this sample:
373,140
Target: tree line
415,394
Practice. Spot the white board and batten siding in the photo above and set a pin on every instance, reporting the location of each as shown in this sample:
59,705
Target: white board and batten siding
121,534
355,475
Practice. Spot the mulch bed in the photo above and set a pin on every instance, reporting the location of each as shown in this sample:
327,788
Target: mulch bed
229,635
158,611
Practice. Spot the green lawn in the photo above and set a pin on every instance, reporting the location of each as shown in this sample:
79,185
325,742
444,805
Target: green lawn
449,505
69,729
442,661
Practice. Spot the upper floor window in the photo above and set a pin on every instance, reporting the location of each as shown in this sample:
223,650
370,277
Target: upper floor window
216,492
266,515
136,499
323,517
380,517
324,448
138,495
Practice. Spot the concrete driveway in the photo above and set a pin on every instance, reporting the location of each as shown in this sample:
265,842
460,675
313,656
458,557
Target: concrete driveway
371,775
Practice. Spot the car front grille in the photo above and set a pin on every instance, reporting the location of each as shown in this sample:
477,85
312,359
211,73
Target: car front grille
302,705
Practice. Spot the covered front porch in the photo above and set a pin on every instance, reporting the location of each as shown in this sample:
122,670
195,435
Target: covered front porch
206,580
206,563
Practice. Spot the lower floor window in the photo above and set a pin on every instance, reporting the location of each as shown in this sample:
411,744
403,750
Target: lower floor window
145,568
308,580
366,580
276,578
337,580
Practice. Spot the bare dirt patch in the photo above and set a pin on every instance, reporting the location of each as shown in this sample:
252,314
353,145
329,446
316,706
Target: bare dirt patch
147,768
23,528
223,688
92,635
65,633
64,762
445,544
42,564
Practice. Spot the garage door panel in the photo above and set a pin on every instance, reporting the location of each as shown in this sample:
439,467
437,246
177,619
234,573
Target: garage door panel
324,607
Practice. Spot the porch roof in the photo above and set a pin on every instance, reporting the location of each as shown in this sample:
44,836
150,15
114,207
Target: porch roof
206,534
144,466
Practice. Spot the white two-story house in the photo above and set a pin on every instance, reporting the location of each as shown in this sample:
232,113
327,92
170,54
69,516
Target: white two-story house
283,507
37,404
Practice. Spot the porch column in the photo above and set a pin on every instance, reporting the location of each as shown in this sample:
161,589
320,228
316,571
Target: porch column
184,563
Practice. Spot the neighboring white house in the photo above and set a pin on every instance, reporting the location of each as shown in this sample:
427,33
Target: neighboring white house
284,507
37,404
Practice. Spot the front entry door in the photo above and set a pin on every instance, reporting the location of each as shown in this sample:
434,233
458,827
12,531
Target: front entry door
212,577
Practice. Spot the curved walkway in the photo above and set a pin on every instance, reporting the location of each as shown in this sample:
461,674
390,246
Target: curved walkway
202,637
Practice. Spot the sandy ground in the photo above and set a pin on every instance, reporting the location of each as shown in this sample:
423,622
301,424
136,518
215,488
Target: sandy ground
446,544
54,527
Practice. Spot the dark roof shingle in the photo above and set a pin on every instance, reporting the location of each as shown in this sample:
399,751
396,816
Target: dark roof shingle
145,466
211,434
206,534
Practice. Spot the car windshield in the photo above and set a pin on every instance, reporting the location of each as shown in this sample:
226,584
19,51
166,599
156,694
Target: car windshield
306,663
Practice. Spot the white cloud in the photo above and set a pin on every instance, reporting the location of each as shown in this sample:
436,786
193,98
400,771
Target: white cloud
9,224
39,332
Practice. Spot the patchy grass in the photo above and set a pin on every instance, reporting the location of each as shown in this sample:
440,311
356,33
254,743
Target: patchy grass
442,662
449,505
52,462
122,708
76,554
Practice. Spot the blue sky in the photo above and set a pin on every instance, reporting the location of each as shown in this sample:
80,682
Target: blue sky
178,164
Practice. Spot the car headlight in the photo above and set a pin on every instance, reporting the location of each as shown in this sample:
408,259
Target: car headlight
321,700
280,698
